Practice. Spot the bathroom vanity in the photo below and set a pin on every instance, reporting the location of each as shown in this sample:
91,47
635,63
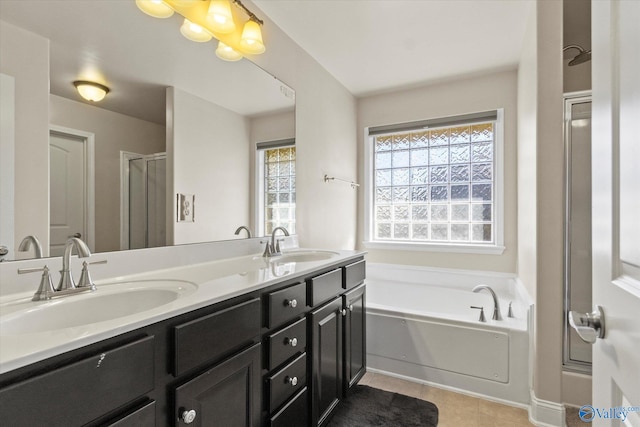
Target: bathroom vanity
283,353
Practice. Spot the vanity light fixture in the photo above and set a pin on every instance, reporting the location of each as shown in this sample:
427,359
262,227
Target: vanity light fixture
91,91
220,18
207,19
194,32
227,53
251,39
155,8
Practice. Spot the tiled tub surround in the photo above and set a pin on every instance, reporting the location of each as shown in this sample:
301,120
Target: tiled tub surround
219,271
421,327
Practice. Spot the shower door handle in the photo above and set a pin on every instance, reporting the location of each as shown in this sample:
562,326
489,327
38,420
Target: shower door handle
589,326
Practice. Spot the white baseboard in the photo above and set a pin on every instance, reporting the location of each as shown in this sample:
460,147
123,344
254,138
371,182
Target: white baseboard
544,413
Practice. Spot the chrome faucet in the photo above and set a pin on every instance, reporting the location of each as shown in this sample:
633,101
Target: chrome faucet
29,241
273,247
66,279
242,227
496,304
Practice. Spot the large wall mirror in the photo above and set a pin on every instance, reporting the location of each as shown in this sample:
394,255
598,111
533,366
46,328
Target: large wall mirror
169,156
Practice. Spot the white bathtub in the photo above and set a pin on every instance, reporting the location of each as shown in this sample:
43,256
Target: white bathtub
420,326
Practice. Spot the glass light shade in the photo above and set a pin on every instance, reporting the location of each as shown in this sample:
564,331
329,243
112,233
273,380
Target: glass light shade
155,8
194,32
219,17
251,41
91,91
227,53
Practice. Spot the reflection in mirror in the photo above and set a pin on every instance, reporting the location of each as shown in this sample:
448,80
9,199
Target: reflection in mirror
167,97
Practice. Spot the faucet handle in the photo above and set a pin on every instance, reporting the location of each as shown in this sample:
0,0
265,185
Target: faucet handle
45,289
482,318
85,278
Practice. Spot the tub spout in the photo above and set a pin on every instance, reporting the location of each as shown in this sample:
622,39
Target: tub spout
496,304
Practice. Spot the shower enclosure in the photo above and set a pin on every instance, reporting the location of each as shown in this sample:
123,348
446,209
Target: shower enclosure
577,271
143,200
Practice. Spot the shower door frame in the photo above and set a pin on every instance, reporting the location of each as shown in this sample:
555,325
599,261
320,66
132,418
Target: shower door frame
569,364
125,158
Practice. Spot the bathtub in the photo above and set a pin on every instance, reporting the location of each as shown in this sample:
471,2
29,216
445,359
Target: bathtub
420,326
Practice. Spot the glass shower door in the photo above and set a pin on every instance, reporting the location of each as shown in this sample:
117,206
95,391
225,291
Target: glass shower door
147,201
577,353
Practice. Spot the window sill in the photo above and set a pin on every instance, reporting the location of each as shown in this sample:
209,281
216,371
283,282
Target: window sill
436,247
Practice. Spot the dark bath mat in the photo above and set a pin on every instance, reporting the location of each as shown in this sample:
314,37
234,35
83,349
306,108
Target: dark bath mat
368,406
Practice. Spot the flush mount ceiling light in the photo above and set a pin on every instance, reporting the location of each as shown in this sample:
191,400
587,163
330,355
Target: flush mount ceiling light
205,19
91,91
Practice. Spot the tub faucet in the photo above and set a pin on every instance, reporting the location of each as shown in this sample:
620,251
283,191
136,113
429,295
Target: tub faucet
66,279
496,304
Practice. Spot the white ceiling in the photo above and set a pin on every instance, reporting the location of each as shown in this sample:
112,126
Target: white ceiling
137,56
374,46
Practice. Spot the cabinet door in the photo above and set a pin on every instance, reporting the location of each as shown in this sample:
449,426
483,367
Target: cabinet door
226,395
326,354
354,336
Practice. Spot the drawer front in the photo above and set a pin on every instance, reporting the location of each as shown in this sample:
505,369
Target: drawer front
215,335
82,391
354,274
142,417
286,303
286,343
284,383
295,413
325,286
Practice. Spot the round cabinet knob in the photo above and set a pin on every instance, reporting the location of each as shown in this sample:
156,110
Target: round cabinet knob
187,416
351,307
343,312
291,380
291,303
291,341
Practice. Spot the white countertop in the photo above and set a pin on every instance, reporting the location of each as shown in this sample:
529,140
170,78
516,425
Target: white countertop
216,281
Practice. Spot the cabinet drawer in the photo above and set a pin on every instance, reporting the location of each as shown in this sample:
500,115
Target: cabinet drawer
354,274
325,286
287,381
294,413
215,335
286,303
82,391
141,417
287,342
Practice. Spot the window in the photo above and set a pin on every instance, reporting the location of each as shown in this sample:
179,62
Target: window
436,184
277,186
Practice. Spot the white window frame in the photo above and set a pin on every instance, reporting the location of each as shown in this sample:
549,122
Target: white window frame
259,180
495,248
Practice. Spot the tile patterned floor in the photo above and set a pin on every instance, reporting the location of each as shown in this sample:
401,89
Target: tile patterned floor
455,410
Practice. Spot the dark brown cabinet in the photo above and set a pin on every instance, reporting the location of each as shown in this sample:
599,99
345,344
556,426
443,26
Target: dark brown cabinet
354,336
226,395
326,356
282,356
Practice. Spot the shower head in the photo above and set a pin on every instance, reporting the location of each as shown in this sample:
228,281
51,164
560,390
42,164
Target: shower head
582,56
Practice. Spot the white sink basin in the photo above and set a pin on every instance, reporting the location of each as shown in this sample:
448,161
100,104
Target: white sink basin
109,302
304,256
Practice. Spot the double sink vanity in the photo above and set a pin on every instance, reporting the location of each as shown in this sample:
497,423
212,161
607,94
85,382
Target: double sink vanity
242,341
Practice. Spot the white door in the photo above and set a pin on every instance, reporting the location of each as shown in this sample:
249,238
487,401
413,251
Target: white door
67,190
616,210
